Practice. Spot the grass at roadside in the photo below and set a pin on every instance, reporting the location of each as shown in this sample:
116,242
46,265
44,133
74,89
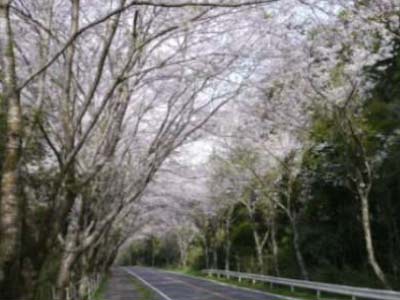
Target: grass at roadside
99,293
143,292
277,290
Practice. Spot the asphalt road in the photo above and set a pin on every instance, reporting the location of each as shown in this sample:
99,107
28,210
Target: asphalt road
171,286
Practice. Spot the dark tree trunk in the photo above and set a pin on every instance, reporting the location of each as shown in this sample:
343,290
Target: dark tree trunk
10,201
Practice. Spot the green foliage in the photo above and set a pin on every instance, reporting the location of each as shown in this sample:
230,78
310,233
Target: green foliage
331,220
46,280
242,239
99,293
195,257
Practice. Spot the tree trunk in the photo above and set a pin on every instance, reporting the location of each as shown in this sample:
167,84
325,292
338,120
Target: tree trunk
297,249
227,254
70,251
259,252
237,263
215,259
63,278
184,259
260,260
228,243
183,254
71,240
9,206
275,249
368,240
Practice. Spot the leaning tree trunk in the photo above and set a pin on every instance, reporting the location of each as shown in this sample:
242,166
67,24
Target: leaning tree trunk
227,254
259,252
63,279
297,248
260,260
68,259
366,222
9,207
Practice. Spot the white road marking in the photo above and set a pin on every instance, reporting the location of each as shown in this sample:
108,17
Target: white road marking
147,284
232,286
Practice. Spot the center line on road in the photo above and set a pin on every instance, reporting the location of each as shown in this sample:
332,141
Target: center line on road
147,284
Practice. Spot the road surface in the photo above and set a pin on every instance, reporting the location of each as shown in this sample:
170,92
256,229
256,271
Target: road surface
172,286
120,287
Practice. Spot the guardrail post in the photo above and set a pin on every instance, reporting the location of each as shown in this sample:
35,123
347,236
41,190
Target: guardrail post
318,294
271,285
240,279
292,288
353,297
254,281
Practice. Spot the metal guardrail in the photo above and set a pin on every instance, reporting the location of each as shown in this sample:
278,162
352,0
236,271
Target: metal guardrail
318,287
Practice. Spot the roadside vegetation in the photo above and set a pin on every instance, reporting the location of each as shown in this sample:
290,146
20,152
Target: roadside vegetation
99,294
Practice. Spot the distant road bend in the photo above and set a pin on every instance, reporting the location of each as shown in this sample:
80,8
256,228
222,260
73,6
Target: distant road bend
171,286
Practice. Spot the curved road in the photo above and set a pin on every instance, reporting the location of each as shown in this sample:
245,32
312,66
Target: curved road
172,286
